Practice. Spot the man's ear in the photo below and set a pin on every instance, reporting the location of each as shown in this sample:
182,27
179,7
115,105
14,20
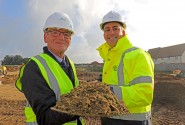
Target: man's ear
45,38
123,31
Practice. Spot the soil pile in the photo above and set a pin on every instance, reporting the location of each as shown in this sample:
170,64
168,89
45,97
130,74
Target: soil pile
169,100
9,79
91,99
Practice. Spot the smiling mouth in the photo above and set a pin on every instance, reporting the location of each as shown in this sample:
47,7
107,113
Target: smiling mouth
112,38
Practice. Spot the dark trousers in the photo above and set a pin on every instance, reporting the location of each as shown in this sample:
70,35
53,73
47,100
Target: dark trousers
109,121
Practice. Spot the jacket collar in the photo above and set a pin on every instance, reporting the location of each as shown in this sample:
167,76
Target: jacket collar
122,45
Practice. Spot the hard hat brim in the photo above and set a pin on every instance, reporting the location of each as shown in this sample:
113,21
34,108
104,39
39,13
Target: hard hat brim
104,23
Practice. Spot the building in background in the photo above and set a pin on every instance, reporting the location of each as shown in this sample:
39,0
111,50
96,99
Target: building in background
168,55
169,58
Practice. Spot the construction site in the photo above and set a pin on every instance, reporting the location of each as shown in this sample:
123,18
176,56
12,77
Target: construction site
167,108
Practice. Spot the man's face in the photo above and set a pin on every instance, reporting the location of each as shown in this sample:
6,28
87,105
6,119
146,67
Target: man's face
112,32
58,40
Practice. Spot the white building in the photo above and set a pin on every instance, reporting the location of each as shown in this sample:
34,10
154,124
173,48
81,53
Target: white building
168,55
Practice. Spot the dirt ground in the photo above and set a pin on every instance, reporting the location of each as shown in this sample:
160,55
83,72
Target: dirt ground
169,100
168,105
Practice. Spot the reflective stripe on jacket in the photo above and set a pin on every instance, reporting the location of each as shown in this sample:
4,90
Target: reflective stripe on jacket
53,74
130,72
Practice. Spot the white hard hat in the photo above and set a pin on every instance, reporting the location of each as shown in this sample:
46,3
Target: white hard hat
112,16
59,20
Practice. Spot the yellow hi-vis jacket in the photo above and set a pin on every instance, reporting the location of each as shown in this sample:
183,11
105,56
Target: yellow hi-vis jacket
56,79
130,73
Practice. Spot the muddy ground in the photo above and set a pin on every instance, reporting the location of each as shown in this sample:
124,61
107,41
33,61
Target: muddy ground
168,105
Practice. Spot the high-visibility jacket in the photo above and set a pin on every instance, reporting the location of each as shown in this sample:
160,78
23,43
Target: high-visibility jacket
56,79
4,70
130,73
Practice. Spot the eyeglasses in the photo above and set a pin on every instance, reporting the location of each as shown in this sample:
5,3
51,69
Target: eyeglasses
58,33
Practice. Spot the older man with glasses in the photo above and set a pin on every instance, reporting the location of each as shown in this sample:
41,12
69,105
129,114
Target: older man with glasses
48,75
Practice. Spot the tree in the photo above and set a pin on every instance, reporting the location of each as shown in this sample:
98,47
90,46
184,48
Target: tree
13,60
25,60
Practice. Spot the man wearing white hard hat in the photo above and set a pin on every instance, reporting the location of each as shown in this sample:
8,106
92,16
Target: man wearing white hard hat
128,70
48,75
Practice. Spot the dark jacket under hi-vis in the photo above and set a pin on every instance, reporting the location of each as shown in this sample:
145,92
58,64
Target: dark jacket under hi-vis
56,79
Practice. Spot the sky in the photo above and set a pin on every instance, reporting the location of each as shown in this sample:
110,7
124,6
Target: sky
150,24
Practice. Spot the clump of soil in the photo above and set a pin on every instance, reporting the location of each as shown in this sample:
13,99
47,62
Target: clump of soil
9,79
91,99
